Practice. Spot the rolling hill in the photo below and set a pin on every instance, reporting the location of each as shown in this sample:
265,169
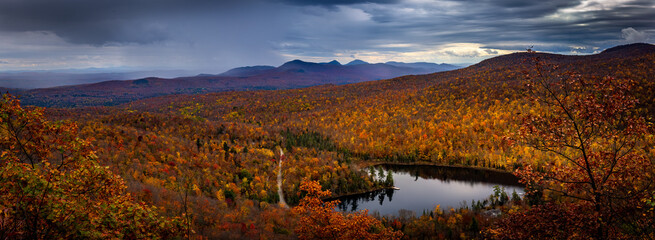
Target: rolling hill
222,143
293,74
54,78
414,112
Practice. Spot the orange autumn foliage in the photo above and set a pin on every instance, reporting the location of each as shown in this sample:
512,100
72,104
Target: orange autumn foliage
51,186
599,162
319,220
211,156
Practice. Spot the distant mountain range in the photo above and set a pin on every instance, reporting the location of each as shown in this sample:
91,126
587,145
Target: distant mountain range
297,74
354,70
293,74
55,78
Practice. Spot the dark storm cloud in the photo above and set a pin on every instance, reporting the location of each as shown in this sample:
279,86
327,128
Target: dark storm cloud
336,2
100,22
518,8
231,33
600,28
514,24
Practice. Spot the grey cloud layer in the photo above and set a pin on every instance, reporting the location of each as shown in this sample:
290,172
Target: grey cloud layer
336,2
100,22
144,21
256,30
493,22
103,21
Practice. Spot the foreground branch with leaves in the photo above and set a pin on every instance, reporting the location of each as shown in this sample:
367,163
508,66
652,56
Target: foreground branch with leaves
599,171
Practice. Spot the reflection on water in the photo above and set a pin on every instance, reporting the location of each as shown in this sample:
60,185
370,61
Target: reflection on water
424,187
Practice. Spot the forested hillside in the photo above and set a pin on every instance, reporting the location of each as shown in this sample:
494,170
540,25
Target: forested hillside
212,159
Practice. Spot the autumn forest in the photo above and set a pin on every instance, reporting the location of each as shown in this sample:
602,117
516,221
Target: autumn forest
270,164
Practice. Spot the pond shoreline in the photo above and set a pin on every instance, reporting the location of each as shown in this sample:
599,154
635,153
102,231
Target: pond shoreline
424,184
366,164
335,197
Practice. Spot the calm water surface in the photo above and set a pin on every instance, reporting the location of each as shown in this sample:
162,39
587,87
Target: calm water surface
425,187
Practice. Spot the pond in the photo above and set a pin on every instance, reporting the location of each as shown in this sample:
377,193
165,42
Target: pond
422,188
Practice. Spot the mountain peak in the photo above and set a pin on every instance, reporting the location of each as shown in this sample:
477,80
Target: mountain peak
295,61
356,62
245,71
299,66
333,62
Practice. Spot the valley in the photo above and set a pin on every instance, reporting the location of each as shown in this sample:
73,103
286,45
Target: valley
213,150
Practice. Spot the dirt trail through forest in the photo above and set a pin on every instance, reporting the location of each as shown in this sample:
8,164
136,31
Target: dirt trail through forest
279,180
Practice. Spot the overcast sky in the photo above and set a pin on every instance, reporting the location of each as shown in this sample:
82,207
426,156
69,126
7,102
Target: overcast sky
212,36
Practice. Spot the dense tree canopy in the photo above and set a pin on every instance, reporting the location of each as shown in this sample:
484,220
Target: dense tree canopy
209,161
52,187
